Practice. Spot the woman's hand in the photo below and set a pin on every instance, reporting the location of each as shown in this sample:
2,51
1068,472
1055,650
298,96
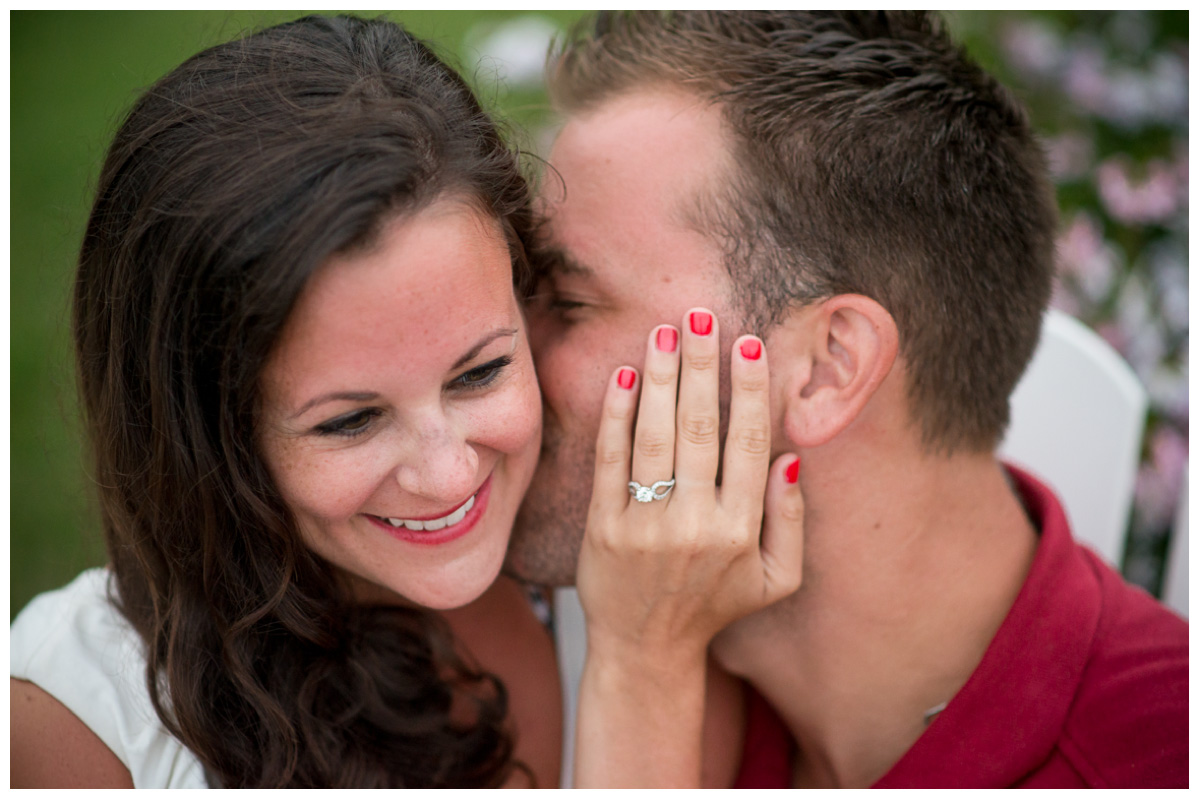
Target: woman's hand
657,579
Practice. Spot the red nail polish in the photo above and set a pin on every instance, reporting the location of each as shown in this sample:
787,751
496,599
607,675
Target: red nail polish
701,323
666,339
793,471
625,379
751,349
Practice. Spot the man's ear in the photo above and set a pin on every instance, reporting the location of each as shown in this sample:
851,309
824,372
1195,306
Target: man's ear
838,352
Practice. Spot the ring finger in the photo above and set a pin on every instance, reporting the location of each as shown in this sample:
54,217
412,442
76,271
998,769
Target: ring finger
654,437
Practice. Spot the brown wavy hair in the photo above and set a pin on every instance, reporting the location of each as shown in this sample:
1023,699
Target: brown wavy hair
228,184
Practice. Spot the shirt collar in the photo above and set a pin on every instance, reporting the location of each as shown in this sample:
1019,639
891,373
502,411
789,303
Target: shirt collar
1008,716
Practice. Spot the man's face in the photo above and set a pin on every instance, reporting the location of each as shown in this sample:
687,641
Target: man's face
622,260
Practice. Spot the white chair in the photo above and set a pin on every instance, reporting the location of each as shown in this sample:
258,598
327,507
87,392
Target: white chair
1078,415
1175,574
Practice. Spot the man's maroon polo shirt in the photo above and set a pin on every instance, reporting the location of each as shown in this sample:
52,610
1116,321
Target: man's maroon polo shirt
1084,685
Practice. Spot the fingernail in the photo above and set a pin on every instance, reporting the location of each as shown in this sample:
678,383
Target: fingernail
666,339
625,378
793,471
751,349
701,323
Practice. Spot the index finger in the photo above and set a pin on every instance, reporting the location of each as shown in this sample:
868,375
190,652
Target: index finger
610,483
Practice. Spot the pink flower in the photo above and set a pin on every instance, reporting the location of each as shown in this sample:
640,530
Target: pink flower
1032,47
1069,155
1168,389
1151,200
1145,339
1085,258
1167,88
1064,299
1180,165
1159,481
1168,266
1114,335
1085,80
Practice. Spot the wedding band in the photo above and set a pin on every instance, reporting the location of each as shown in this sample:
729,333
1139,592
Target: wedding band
656,491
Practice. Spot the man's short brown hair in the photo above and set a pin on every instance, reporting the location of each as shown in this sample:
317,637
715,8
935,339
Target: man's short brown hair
873,156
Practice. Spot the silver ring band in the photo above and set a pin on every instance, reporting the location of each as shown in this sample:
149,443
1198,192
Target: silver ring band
656,491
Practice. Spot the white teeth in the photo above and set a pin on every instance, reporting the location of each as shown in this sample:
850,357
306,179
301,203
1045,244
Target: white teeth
435,524
457,516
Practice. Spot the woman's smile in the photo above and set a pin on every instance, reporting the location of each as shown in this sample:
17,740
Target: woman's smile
442,529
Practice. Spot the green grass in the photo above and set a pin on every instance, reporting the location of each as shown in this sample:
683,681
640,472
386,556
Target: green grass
73,75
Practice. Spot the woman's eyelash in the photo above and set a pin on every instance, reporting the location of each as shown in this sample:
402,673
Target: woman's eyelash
349,425
357,422
483,375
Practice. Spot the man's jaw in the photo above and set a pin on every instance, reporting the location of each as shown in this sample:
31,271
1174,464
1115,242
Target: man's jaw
548,532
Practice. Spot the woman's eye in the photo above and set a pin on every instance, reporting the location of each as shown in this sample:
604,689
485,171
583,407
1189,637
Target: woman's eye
350,424
482,375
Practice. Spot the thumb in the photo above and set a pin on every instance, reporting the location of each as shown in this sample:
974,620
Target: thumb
782,547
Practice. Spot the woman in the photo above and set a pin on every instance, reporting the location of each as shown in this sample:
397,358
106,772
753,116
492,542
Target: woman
313,414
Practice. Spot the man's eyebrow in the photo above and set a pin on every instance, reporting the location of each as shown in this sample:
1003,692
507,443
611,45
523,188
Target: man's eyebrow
362,397
559,261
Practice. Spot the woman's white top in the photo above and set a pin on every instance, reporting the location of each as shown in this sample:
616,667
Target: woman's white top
77,647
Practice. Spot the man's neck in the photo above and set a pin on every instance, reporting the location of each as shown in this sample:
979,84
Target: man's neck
908,575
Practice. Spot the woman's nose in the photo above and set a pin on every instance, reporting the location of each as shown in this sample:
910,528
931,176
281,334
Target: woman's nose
441,465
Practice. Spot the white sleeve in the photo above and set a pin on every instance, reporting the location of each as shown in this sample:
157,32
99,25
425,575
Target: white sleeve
77,647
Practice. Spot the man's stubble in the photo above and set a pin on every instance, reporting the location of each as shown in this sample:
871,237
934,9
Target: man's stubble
548,532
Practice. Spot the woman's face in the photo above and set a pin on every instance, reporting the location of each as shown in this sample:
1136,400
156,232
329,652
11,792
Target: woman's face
401,415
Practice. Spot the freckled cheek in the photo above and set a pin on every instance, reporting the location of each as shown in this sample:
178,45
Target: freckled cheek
329,486
512,424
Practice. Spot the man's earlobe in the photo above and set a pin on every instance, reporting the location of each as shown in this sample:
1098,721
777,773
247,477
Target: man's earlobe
851,346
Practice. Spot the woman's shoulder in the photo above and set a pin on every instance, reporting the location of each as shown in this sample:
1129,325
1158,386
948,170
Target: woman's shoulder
51,748
75,646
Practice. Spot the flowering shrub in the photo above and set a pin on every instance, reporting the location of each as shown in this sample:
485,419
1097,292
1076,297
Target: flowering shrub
1109,91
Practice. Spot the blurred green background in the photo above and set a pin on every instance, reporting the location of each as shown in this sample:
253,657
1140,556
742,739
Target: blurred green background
1108,89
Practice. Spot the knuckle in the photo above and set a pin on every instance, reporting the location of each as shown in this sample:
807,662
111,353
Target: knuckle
792,513
755,382
753,441
653,445
661,378
610,456
698,429
617,413
701,362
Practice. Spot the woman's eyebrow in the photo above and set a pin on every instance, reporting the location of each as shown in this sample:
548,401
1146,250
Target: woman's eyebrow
357,397
362,397
482,343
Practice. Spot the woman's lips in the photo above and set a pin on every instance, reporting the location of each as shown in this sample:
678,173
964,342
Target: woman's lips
449,532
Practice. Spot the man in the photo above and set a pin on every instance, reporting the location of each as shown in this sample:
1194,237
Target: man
851,187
